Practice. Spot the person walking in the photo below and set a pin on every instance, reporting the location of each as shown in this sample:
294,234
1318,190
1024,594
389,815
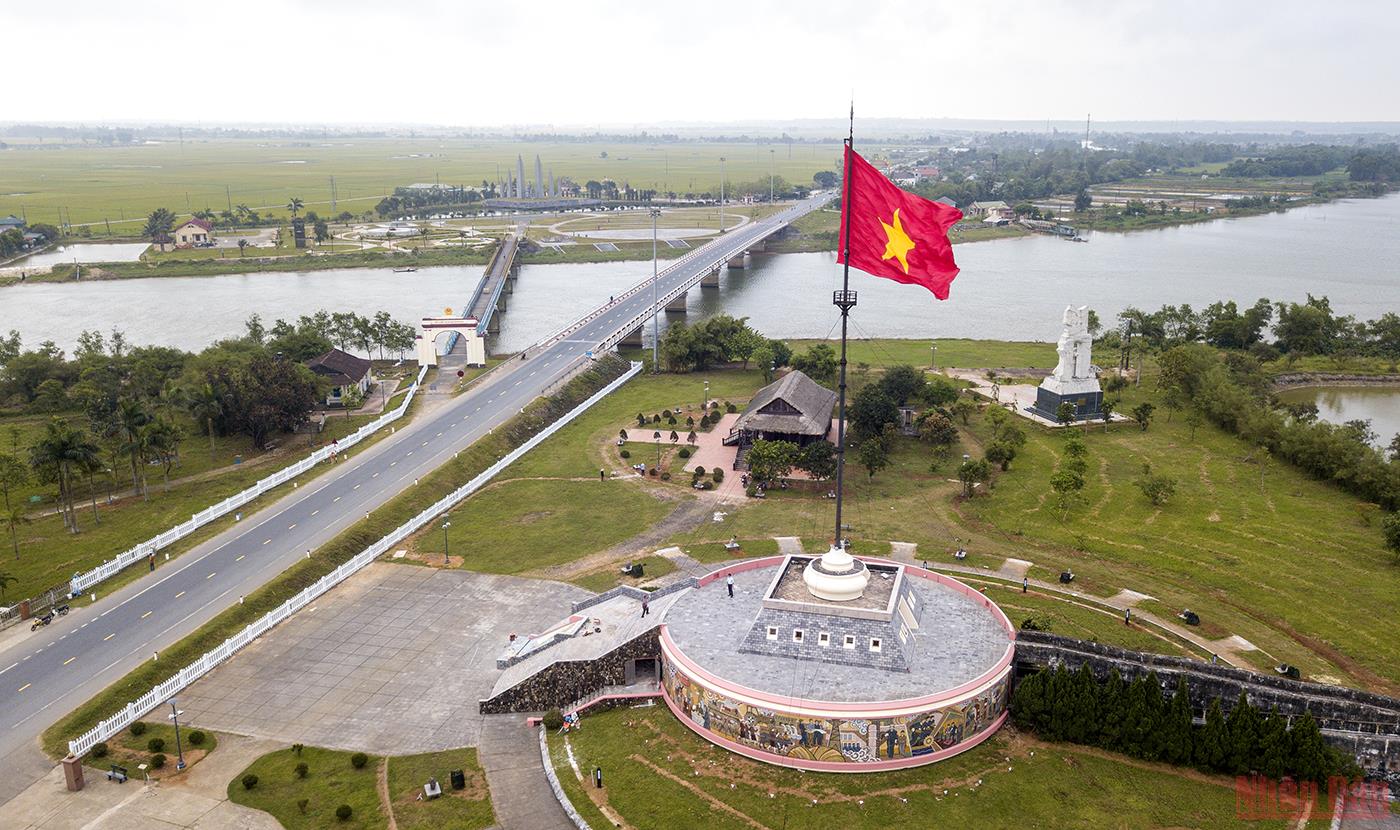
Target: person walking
1127,616
646,607
729,584
1025,584
602,476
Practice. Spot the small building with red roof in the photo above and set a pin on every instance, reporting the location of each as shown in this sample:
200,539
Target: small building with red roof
196,233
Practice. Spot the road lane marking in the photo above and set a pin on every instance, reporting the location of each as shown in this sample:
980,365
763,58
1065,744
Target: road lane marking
69,660
425,443
211,575
292,526
314,512
25,686
109,636
240,557
182,593
267,541
147,614
391,464
337,498
376,475
356,487
7,668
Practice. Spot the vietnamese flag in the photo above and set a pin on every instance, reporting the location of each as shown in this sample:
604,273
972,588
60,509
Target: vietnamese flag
893,233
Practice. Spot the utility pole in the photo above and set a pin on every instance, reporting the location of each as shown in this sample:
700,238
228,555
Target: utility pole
721,194
655,341
228,197
770,176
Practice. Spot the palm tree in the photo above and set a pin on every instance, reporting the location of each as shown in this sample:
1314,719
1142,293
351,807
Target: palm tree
60,455
13,518
242,244
132,426
5,580
205,406
163,437
294,206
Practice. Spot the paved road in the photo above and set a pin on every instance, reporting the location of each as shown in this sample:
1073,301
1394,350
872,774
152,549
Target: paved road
483,305
50,672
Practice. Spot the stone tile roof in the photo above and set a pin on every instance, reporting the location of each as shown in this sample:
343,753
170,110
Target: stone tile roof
812,402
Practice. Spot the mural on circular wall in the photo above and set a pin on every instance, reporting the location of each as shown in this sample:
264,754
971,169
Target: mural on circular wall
841,737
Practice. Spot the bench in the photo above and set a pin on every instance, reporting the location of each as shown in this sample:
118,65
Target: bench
117,774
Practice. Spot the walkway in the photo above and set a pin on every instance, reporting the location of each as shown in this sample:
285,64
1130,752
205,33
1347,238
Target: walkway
520,793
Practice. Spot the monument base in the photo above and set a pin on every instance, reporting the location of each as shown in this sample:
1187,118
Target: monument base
1083,393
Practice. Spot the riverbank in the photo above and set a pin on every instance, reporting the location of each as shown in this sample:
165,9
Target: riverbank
1309,380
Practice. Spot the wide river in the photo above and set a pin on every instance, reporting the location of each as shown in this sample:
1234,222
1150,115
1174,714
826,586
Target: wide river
1010,289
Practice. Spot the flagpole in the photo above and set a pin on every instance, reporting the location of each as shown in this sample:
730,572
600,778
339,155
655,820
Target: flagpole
844,299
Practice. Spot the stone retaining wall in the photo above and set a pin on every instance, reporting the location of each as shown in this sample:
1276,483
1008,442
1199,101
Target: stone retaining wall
1362,723
560,684
1295,380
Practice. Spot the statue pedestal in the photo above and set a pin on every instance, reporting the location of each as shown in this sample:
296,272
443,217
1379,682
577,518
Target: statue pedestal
1084,393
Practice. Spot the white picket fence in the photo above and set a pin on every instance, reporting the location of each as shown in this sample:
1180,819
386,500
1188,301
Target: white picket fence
161,693
82,581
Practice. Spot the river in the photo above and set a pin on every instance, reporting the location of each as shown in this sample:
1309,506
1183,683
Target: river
1339,404
1011,289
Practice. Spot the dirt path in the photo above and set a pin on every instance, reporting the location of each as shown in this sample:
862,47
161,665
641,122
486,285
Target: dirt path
387,803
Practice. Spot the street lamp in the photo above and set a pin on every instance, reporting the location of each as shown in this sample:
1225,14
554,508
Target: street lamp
933,356
705,403
179,750
655,341
445,526
770,176
721,194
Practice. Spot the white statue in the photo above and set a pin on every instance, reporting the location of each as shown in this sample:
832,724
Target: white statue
1074,346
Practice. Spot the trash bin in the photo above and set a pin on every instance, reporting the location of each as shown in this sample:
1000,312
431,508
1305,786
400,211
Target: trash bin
459,780
637,569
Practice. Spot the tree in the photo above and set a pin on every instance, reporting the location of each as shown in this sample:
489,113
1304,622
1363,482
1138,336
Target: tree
1142,413
321,230
14,518
205,407
1176,726
1157,487
817,363
13,475
1064,413
871,410
1001,453
1274,746
1211,747
1106,411
295,205
5,581
771,460
903,383
1082,201
163,437
874,454
964,408
1243,724
763,359
1067,485
1307,752
1390,528
937,429
825,179
132,421
818,460
61,454
1028,702
255,328
159,224
1112,710
971,473
263,396
242,245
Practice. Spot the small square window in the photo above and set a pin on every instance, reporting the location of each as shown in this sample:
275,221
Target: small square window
772,633
823,639
874,643
850,641
797,635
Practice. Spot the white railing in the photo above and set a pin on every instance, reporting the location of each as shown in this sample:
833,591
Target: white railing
82,581
162,692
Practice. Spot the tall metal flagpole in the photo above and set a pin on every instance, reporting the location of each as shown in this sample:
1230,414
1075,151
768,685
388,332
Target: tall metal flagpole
845,299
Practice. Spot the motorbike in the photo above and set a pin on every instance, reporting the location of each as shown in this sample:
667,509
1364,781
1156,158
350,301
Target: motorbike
62,610
40,622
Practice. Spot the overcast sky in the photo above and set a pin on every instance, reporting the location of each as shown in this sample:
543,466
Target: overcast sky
583,63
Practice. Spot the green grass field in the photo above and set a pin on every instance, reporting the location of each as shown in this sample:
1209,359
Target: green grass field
331,781
465,809
93,184
661,776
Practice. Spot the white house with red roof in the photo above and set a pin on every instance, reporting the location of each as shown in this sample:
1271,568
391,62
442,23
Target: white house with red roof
194,233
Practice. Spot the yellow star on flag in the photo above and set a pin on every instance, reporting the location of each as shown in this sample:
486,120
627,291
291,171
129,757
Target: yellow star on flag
899,244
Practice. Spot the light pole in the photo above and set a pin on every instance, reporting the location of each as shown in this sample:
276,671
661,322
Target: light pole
655,341
933,356
445,526
770,176
179,750
705,403
721,194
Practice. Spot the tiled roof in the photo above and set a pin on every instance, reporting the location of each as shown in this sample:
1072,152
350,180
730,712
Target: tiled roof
812,401
340,367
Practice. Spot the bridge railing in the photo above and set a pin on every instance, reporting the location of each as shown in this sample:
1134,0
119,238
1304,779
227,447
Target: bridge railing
82,581
184,677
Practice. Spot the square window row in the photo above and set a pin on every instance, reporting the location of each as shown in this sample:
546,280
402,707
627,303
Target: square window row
824,639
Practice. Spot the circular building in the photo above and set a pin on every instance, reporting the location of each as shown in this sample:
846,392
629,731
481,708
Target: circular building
836,663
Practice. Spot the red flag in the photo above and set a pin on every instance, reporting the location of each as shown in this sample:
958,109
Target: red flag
893,233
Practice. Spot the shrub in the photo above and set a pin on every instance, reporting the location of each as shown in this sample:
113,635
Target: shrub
358,760
705,485
641,420
689,421
731,408
700,471
553,720
714,404
1035,624
301,804
156,744
653,471
301,769
99,749
138,729
249,781
684,452
297,748
675,436
751,490
343,812
671,421
665,476
656,419
666,413
625,454
196,737
717,474
157,761
622,433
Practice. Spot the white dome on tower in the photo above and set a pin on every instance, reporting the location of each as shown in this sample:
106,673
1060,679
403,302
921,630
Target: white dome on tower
836,576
